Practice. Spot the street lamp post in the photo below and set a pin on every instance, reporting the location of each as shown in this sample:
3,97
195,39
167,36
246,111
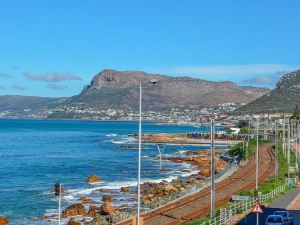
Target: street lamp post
276,150
212,170
256,174
139,157
289,148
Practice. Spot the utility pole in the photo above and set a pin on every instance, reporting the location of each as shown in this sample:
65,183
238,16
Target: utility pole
212,170
276,150
139,159
283,137
256,174
296,142
289,148
248,139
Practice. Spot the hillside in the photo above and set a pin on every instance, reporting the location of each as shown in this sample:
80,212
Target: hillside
283,98
115,89
18,103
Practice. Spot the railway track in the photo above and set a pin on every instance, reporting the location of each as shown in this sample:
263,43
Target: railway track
197,205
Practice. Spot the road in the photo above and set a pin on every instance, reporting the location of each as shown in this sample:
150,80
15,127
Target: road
285,202
195,206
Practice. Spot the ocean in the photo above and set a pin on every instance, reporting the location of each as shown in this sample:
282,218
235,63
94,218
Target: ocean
34,154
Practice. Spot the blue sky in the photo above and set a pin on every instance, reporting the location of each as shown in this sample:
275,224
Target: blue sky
55,47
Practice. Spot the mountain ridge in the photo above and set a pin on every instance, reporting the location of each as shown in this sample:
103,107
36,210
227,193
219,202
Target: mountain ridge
283,98
121,88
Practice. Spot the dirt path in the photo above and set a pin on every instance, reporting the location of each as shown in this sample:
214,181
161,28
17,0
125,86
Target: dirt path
197,205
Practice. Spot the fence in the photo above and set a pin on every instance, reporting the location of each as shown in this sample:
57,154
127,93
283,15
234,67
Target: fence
161,201
227,215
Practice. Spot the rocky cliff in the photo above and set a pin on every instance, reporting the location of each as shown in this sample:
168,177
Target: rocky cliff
115,89
284,97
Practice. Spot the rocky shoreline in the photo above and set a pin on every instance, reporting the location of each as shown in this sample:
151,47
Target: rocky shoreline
89,211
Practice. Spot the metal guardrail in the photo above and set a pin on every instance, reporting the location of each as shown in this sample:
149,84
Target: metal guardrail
162,201
228,214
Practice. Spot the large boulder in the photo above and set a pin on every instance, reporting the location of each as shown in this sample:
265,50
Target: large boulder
74,210
107,198
125,189
107,209
4,220
93,178
73,222
86,200
205,172
169,189
93,211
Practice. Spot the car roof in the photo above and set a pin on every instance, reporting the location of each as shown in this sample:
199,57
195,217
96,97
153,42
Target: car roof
274,216
281,211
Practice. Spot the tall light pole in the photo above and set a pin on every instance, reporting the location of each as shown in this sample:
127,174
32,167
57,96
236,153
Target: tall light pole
283,138
212,170
248,139
256,174
276,150
297,143
289,148
139,157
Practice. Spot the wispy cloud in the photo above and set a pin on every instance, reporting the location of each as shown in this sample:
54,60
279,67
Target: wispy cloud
5,75
57,87
234,69
18,87
51,77
267,80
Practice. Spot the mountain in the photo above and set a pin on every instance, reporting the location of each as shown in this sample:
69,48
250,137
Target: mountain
115,89
283,98
18,104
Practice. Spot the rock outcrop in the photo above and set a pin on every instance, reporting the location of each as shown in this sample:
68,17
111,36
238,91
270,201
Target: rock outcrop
74,210
4,220
107,198
93,178
73,222
107,209
86,200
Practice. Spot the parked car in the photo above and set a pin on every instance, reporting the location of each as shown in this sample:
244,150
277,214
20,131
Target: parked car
275,220
287,218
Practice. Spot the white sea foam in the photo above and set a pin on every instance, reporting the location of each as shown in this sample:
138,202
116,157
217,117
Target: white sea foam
182,152
118,142
111,135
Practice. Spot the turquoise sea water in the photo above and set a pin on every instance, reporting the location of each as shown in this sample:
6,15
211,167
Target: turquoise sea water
34,154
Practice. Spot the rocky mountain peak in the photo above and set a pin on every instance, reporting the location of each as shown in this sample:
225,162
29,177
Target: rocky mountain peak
290,80
114,78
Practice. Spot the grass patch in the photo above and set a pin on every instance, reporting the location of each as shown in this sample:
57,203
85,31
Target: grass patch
265,186
239,152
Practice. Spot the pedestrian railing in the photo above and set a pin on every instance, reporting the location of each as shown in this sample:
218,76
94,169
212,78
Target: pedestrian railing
228,215
162,201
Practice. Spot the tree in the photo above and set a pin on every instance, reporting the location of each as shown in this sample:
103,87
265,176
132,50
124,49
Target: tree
243,123
296,114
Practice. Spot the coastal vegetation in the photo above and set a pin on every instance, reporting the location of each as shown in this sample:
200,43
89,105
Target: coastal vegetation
264,187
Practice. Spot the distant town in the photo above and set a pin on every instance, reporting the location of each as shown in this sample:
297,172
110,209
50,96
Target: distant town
222,113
